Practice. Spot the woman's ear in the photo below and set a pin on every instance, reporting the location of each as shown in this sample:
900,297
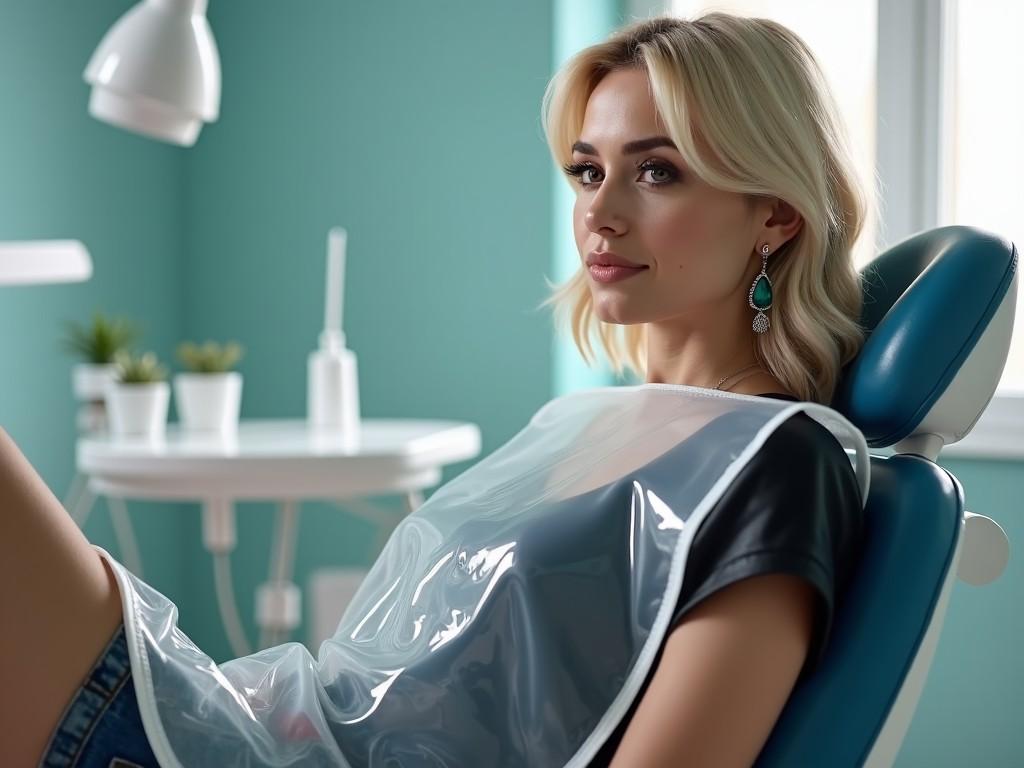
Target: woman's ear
783,224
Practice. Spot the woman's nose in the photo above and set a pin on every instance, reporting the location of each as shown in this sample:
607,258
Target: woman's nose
605,212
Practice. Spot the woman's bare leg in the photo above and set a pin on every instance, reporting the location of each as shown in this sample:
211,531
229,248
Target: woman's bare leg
59,606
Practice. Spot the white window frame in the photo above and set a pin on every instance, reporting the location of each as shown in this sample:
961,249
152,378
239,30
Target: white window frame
916,48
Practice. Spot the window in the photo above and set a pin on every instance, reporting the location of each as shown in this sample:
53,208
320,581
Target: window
985,154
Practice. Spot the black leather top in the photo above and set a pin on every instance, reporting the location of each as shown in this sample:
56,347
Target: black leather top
794,508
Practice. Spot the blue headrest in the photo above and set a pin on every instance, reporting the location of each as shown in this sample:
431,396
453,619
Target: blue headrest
931,301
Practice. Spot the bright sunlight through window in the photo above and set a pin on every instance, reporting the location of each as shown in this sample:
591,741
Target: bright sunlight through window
987,154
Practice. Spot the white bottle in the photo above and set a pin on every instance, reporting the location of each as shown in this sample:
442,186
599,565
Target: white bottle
332,396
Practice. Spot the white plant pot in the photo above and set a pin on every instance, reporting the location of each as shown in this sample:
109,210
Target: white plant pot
138,410
208,402
90,380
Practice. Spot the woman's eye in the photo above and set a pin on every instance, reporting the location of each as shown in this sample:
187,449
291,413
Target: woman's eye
660,173
655,169
577,170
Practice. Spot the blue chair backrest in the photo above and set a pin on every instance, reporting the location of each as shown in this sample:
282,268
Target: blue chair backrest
938,312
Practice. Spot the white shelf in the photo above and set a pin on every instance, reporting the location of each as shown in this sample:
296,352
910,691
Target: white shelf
44,261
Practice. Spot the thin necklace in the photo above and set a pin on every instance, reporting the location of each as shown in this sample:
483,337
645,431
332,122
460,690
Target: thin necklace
741,370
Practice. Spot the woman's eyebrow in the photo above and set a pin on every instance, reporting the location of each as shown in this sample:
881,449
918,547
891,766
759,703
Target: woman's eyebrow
640,145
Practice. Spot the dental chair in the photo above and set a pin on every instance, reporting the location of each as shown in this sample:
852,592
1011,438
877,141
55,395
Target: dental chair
938,311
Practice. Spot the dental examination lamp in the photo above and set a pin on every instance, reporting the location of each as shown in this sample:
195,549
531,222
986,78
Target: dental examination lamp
157,72
44,261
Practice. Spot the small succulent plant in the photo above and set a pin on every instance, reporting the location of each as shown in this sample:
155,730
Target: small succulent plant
100,341
210,357
138,369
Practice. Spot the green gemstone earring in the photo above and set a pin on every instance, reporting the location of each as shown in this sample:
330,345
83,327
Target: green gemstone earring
760,297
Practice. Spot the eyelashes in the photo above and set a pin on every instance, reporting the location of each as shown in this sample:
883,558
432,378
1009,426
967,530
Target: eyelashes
576,171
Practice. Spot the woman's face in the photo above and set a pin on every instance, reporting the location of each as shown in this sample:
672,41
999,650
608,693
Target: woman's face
697,243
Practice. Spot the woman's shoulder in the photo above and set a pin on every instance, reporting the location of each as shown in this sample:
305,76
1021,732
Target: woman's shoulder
804,456
806,436
799,489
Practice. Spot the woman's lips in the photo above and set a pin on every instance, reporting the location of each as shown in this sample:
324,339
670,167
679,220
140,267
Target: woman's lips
606,273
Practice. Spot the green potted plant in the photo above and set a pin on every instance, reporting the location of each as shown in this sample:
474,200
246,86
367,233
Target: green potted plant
209,395
96,343
138,399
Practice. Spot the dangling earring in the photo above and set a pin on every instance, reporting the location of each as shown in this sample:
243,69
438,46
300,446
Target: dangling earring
760,297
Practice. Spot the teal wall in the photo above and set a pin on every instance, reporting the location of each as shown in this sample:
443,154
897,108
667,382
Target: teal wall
65,175
416,126
971,708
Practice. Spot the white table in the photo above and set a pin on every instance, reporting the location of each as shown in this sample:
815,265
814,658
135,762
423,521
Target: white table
278,460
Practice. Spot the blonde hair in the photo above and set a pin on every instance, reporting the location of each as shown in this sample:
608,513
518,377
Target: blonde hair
750,111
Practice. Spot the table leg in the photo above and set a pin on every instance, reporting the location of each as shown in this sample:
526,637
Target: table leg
80,499
413,500
126,540
278,601
219,540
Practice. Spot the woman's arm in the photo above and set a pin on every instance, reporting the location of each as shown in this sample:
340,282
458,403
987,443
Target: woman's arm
59,605
725,674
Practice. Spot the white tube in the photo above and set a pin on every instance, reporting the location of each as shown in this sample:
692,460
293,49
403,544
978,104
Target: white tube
336,241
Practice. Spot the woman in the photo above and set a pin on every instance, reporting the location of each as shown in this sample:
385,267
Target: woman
739,166
705,155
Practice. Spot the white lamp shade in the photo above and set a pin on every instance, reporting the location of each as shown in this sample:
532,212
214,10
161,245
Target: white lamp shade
157,71
44,261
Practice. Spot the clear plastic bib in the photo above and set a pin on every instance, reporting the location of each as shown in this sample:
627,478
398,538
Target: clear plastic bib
509,621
